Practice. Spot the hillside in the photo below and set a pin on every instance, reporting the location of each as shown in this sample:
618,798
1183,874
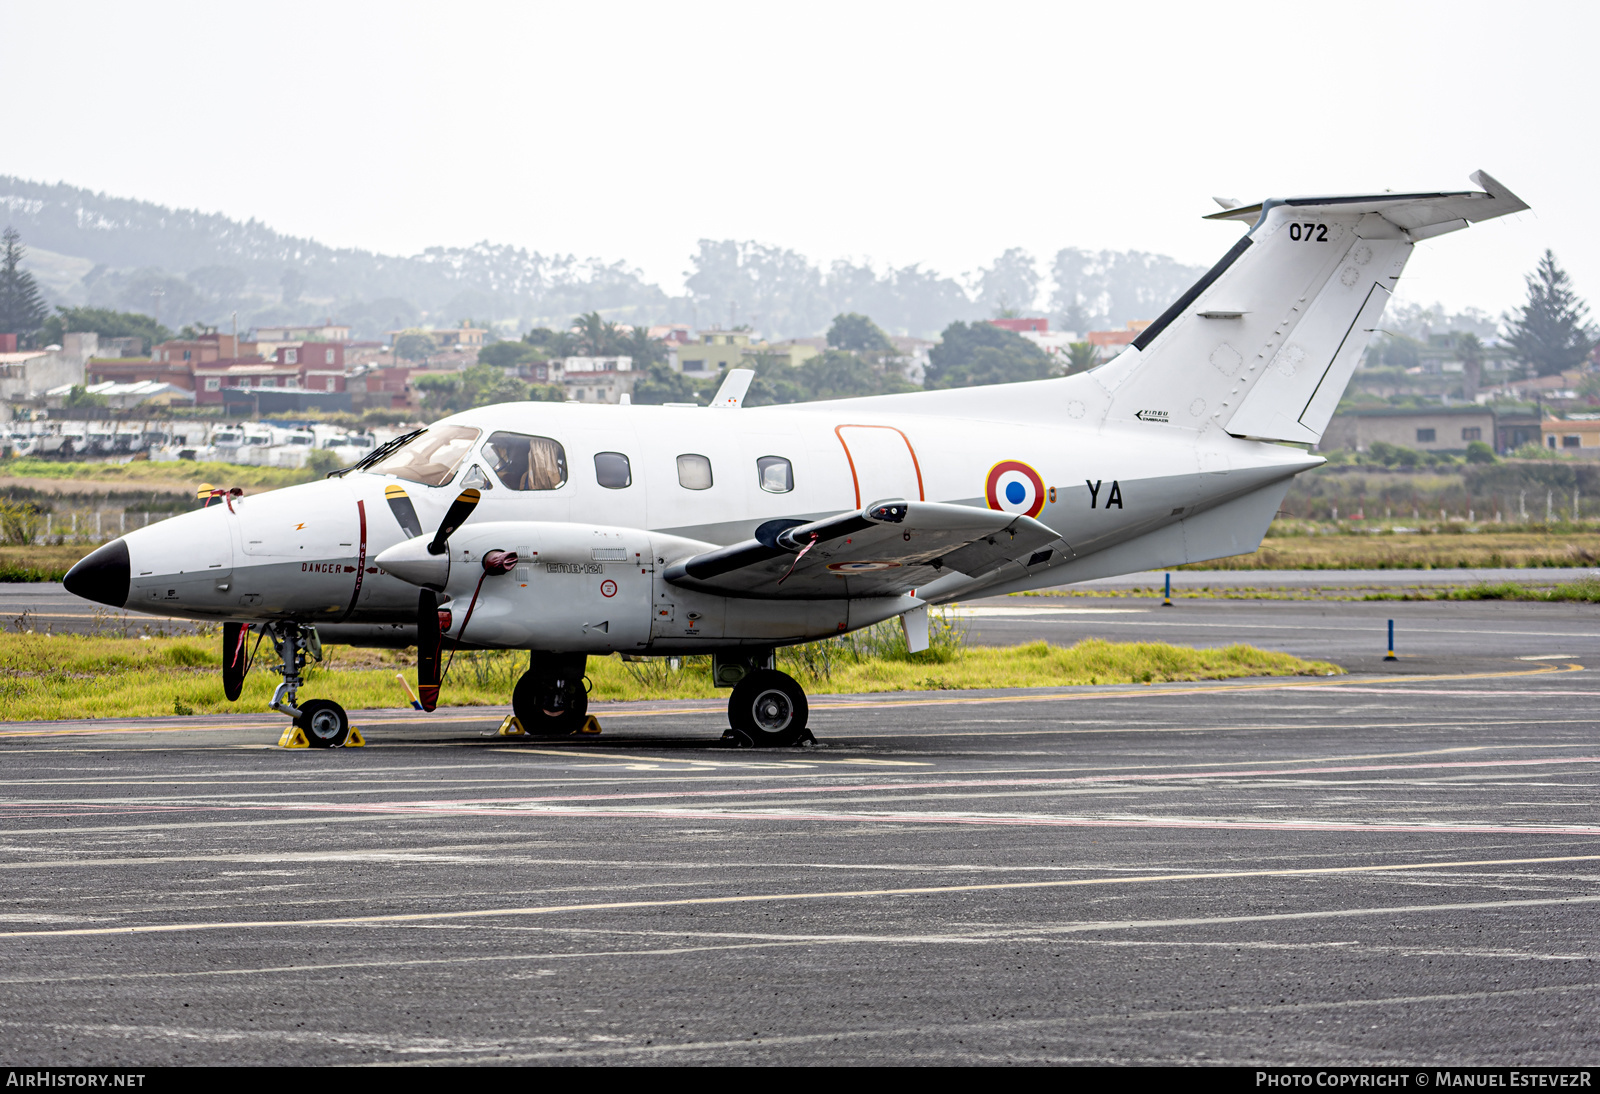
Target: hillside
91,248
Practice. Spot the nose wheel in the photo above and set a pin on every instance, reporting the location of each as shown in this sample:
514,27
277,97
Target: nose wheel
323,722
768,709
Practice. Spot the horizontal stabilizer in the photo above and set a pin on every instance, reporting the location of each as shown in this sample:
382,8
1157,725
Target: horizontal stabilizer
887,548
1416,213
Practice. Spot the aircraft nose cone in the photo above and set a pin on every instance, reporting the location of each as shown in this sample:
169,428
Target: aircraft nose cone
102,575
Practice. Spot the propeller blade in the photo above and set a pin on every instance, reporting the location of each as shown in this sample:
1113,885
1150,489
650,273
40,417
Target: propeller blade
404,512
428,643
454,518
233,658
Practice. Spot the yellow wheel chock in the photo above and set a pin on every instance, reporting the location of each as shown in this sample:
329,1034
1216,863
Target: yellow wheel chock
295,737
591,725
511,727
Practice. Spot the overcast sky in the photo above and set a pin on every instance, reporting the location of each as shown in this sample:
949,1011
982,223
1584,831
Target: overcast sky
915,132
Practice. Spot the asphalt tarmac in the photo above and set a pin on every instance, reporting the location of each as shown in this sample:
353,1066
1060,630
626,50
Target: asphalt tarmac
1397,866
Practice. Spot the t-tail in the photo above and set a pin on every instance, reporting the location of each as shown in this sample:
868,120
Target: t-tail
1263,345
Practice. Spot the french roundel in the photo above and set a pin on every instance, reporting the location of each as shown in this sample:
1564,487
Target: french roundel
1014,487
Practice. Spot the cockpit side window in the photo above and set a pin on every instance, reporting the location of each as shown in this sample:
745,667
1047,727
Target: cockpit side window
430,458
522,462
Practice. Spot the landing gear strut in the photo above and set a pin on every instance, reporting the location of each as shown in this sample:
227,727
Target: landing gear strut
323,721
551,698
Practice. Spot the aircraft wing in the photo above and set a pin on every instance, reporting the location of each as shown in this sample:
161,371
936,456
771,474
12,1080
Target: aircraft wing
888,548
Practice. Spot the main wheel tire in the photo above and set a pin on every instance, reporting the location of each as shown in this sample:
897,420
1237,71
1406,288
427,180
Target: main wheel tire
546,710
324,723
769,707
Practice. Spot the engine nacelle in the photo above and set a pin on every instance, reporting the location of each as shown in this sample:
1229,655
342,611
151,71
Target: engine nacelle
592,589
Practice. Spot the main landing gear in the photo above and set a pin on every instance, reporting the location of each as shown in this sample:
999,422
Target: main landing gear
551,699
324,722
768,708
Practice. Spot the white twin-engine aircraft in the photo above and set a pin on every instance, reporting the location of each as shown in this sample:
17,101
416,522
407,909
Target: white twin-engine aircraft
645,530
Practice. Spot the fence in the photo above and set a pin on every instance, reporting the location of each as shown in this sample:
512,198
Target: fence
80,526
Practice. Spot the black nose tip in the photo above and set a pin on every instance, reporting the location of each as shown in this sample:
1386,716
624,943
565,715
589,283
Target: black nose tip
101,575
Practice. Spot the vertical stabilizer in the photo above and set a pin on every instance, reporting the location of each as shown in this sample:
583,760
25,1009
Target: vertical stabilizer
1264,344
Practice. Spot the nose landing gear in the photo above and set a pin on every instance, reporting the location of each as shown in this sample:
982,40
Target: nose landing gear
322,722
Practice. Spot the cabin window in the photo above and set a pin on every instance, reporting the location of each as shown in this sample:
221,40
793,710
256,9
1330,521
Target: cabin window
431,457
612,471
527,463
775,474
694,472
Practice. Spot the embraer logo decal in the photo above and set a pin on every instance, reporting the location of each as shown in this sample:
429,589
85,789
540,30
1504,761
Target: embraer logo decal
1152,416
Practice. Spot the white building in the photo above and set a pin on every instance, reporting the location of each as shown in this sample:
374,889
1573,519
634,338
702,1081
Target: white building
598,379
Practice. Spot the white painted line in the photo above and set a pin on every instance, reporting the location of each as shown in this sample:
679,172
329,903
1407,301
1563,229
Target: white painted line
1023,613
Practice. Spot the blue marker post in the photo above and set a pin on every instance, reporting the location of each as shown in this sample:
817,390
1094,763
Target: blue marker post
1166,597
1391,656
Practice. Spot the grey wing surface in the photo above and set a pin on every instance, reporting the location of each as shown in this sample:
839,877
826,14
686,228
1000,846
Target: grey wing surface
886,549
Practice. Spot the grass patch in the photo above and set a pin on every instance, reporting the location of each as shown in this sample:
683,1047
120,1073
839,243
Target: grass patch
1403,551
41,562
44,677
1586,591
143,471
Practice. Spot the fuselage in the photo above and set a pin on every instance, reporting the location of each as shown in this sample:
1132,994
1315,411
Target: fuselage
685,479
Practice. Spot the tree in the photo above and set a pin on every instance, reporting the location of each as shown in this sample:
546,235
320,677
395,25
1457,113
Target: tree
293,283
1111,287
106,323
480,385
596,336
414,345
79,396
506,354
549,343
1470,350
968,355
858,334
662,385
644,350
1007,289
1081,357
834,374
1479,452
1551,333
22,309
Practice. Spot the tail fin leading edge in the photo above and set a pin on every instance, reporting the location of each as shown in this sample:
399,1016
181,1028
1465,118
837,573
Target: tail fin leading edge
1264,344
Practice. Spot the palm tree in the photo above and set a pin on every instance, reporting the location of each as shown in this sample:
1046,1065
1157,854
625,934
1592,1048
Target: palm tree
1470,350
597,337
1081,356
